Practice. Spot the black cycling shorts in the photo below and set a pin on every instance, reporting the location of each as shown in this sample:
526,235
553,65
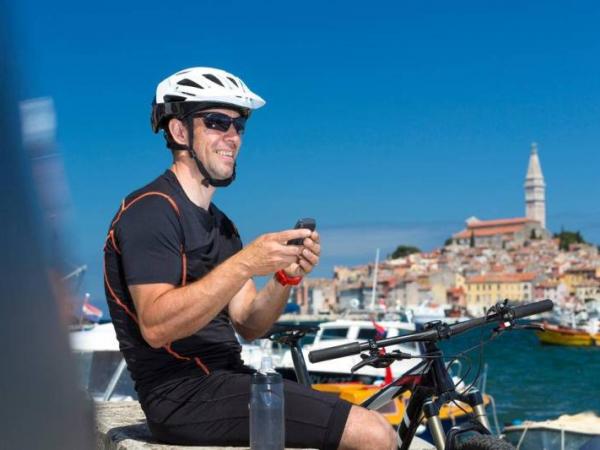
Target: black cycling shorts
213,410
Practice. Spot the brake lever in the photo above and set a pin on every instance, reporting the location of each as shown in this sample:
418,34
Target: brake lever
366,361
511,325
380,361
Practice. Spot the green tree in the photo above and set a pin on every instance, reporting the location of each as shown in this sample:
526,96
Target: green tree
472,240
566,238
403,251
448,242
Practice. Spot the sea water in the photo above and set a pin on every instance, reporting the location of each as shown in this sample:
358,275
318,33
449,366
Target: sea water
532,381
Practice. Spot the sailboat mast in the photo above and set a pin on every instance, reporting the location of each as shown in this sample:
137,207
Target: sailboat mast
374,289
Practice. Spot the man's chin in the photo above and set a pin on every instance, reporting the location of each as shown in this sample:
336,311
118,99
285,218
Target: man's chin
222,174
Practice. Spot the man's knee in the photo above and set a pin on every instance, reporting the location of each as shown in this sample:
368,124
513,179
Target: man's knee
367,430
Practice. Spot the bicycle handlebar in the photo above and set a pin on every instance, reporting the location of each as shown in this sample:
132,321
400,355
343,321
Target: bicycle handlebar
354,348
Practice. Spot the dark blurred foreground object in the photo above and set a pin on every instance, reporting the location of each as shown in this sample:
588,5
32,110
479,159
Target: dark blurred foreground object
41,405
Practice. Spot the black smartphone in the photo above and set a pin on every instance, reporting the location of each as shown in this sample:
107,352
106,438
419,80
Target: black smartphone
307,222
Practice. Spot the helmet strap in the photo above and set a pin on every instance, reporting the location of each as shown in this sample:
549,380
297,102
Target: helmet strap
208,180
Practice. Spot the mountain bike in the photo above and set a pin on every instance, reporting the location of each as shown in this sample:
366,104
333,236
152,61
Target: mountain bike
430,382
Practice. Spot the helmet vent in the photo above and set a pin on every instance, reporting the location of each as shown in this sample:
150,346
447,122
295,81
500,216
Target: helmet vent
188,82
233,81
214,79
188,93
173,98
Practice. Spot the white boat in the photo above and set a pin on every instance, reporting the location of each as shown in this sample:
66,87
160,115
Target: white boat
100,362
568,432
98,337
340,332
102,365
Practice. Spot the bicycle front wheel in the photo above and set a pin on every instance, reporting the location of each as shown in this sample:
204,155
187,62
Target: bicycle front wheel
484,442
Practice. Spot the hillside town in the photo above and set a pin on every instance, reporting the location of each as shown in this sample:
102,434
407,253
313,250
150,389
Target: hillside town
486,262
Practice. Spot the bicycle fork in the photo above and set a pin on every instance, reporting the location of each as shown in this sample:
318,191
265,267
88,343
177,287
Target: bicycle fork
423,403
479,424
475,400
432,412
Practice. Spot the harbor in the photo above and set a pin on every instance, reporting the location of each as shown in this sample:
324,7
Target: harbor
527,381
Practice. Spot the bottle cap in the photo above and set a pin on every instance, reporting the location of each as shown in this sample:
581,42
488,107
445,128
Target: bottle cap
266,364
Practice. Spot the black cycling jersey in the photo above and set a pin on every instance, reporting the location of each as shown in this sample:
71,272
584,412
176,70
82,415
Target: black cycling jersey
156,232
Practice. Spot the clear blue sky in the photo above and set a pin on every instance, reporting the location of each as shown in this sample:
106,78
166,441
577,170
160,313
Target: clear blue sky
389,122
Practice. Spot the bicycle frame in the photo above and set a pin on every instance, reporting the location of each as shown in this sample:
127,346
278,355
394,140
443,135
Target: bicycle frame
431,387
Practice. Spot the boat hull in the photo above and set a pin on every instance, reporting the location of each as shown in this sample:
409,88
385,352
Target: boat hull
568,432
557,335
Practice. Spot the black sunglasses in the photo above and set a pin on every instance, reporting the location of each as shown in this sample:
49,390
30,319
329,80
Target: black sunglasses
222,122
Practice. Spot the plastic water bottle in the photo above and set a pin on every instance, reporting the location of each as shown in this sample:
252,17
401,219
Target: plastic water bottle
267,424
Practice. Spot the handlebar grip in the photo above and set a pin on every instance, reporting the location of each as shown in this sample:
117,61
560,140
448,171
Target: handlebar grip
461,327
533,308
334,352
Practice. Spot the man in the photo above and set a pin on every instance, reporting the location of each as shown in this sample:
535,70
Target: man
179,284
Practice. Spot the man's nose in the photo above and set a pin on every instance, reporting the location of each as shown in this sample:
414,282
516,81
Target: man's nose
232,134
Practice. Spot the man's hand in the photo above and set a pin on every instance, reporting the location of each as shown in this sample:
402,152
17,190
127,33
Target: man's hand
308,258
270,253
252,313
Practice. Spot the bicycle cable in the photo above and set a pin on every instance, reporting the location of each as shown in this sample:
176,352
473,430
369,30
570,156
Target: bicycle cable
482,344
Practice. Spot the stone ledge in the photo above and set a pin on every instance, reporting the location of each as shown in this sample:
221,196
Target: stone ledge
122,426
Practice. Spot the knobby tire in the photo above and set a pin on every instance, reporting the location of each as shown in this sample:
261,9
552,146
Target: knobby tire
484,442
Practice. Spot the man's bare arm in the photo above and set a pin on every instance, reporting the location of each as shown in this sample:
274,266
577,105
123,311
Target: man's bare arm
167,313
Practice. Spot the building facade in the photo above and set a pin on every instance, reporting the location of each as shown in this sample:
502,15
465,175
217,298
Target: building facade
486,290
500,233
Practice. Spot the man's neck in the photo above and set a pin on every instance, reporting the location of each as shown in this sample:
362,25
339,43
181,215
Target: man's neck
190,179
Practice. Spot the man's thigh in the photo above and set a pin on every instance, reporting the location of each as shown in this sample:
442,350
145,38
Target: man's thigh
213,410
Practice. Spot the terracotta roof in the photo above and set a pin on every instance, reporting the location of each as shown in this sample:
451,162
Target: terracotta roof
489,231
493,227
502,278
456,290
500,222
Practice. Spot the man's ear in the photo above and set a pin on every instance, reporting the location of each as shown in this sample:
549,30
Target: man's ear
178,131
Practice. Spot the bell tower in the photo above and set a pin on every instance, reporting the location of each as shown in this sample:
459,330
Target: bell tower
535,189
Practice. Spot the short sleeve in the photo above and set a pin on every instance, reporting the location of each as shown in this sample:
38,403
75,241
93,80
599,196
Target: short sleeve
149,238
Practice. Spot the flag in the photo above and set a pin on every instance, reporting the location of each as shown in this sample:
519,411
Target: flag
380,333
89,311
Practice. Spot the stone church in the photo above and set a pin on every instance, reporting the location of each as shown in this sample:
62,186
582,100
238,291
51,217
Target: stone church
500,233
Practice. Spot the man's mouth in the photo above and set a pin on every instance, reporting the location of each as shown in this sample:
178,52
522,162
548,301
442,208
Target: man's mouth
226,154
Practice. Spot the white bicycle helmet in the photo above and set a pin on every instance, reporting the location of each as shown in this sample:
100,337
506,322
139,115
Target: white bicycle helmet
200,88
193,90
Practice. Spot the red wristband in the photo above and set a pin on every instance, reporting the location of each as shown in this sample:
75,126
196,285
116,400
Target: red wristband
285,280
